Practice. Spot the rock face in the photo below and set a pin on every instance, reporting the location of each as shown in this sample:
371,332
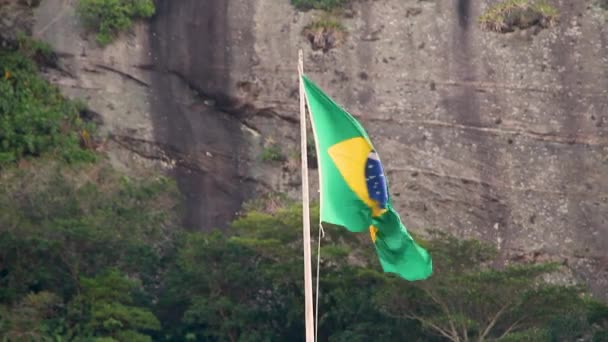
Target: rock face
192,56
502,137
15,16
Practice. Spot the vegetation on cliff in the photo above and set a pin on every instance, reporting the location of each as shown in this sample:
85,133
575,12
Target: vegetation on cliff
35,118
325,32
78,241
107,18
272,151
326,5
507,15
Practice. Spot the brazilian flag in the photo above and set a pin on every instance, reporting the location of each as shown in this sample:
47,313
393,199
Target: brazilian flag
354,190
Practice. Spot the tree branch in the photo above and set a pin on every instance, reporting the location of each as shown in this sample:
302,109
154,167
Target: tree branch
446,311
493,321
513,326
438,329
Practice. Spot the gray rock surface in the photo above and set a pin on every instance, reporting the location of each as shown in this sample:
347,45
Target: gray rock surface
15,16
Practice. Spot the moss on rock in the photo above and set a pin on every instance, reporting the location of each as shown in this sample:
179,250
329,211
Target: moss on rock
509,15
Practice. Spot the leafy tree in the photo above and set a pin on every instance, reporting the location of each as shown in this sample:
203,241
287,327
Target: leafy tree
466,299
247,286
104,308
56,227
224,284
26,320
34,117
61,227
244,287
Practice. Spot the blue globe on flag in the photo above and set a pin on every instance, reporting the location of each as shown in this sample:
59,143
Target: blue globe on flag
375,179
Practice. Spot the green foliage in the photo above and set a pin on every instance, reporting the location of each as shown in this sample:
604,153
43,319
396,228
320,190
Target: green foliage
466,298
597,312
99,263
272,153
530,335
601,336
247,286
109,17
40,52
597,316
61,228
326,23
326,5
325,32
268,203
81,247
27,318
507,15
72,222
34,118
455,255
105,307
568,327
226,284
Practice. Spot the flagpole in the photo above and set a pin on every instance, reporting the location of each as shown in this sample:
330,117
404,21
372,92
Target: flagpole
305,209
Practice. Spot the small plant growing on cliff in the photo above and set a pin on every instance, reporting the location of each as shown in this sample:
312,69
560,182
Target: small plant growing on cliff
507,15
109,17
326,5
272,153
40,52
325,33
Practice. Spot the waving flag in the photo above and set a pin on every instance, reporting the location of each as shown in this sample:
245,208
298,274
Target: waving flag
354,189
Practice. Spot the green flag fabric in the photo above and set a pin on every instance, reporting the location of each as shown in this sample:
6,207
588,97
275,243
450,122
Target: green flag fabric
354,190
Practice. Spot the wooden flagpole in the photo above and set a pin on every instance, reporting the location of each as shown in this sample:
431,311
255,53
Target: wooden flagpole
305,209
